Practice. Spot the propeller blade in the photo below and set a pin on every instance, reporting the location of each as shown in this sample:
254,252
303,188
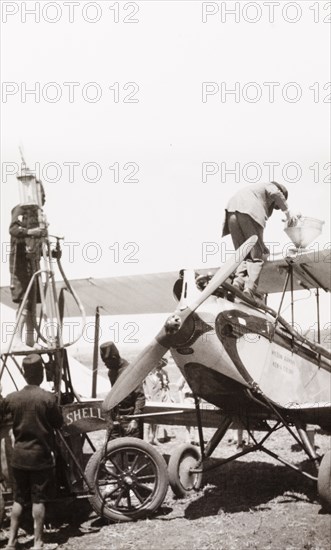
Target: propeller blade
220,276
134,374
137,371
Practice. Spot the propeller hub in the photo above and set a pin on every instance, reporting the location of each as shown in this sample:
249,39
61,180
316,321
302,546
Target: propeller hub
173,324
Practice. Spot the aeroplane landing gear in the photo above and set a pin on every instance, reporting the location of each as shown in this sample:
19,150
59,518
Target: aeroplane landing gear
181,477
187,463
129,479
324,482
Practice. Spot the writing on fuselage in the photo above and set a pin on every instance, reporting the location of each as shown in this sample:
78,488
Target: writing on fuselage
282,362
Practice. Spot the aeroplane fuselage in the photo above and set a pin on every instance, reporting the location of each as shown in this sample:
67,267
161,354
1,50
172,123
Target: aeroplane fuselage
230,347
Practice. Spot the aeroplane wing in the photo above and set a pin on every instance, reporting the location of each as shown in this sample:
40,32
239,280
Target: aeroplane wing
136,294
311,270
154,412
153,292
315,413
182,414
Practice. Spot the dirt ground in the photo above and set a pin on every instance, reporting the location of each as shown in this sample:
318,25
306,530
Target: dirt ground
254,502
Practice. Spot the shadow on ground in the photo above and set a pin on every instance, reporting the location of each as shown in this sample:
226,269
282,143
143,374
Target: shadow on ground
64,519
243,486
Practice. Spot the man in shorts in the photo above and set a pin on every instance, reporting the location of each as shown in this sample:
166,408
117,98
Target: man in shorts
35,414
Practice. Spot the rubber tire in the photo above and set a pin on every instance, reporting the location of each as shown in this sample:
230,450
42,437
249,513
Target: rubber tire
181,481
324,482
160,488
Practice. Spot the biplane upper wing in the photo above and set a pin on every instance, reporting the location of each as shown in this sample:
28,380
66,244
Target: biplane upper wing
153,292
123,295
310,270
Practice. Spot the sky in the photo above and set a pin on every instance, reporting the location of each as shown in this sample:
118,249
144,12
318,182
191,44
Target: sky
134,130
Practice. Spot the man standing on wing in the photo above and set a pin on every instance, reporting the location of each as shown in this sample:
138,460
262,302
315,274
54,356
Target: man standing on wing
245,215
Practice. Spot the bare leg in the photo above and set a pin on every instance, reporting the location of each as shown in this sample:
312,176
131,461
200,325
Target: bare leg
38,514
14,523
153,430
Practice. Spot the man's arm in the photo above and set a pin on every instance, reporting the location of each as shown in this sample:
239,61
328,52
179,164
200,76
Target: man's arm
140,400
139,404
5,412
277,197
55,414
16,228
19,231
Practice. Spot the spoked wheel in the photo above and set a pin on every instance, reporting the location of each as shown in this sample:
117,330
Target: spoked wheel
324,481
182,480
129,479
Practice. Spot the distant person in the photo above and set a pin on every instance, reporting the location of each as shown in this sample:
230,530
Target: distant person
187,396
241,443
156,388
131,404
35,415
236,436
24,260
246,215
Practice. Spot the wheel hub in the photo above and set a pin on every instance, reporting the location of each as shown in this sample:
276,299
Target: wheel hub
127,479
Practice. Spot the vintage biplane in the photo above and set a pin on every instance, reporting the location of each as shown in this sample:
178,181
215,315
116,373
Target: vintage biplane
244,358
240,356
